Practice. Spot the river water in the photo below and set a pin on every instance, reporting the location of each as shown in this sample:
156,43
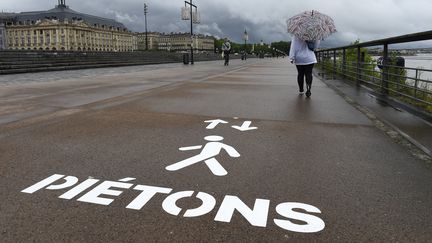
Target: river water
421,61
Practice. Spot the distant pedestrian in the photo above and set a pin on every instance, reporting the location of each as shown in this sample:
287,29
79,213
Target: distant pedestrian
303,56
226,48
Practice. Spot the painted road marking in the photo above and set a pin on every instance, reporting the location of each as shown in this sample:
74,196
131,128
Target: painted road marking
245,126
291,216
214,123
207,154
256,215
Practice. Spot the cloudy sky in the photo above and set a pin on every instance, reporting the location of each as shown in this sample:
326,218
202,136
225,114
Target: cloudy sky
364,20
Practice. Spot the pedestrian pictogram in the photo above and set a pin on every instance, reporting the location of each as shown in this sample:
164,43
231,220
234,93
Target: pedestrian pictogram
207,155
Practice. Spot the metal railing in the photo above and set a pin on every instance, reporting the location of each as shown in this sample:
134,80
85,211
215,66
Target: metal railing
405,84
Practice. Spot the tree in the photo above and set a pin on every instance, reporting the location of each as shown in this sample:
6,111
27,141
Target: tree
283,46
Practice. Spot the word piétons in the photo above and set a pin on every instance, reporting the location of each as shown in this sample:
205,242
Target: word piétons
104,192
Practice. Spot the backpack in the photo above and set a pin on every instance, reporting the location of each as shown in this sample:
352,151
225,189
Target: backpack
311,45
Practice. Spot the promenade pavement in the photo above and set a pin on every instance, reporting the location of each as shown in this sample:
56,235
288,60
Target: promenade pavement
135,154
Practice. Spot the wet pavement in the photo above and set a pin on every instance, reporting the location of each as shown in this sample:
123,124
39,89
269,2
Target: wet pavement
416,129
288,168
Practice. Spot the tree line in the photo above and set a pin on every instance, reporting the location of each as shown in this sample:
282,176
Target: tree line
273,48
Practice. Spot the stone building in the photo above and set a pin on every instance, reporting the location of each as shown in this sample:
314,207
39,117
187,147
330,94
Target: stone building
2,37
182,42
62,28
152,39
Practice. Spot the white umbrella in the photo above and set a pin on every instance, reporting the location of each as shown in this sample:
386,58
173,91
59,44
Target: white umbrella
311,25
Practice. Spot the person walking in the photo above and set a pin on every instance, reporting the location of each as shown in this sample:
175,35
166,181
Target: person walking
303,56
226,48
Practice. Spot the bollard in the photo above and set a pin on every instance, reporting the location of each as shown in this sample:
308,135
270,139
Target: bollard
185,58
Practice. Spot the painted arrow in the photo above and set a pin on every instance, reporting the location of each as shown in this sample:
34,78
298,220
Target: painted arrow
245,126
214,123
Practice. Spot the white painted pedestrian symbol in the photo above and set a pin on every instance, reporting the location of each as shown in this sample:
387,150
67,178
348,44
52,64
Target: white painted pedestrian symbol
207,155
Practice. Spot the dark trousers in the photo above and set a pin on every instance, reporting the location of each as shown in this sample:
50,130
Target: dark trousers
304,71
226,57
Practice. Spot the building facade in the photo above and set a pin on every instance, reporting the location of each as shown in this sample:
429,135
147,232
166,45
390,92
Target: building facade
152,39
2,37
62,28
182,42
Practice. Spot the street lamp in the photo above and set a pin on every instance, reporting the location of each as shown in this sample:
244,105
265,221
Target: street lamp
145,17
245,38
194,18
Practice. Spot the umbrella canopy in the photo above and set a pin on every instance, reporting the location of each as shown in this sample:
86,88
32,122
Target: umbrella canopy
311,25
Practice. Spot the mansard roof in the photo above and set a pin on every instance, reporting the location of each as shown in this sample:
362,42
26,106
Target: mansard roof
62,12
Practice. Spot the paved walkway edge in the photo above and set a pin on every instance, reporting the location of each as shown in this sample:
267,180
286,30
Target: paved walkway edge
414,147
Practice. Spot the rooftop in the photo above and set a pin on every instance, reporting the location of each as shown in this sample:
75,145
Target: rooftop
61,12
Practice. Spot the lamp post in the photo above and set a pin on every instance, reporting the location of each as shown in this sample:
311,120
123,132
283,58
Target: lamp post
245,38
261,52
193,19
145,19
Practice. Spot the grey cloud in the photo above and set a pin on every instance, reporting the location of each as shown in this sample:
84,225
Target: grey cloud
364,20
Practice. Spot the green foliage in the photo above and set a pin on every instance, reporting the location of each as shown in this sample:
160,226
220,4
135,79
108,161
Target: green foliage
398,85
258,48
283,46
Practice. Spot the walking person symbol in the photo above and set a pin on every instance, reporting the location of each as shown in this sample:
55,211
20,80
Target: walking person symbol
208,153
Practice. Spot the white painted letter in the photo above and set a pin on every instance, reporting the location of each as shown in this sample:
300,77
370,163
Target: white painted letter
169,204
104,189
313,223
208,203
147,193
70,181
256,217
78,189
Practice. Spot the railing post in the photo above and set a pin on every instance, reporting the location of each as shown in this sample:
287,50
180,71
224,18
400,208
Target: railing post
358,66
416,83
385,76
362,64
343,62
322,60
334,64
328,57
